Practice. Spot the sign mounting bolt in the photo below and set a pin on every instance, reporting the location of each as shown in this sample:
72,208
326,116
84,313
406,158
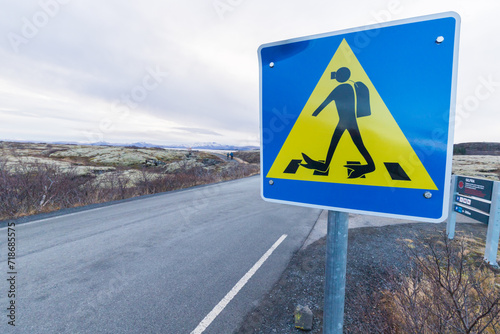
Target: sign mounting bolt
271,64
271,182
439,40
428,195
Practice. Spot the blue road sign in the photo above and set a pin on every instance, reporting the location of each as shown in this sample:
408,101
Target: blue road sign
359,120
469,212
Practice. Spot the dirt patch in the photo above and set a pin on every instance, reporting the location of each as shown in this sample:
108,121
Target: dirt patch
483,166
374,254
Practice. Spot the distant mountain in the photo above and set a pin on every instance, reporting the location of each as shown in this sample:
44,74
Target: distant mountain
142,144
102,143
196,146
214,146
63,143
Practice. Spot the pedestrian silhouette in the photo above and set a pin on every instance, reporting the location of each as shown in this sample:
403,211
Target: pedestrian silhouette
350,104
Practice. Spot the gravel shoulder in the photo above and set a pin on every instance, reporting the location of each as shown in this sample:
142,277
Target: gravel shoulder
374,252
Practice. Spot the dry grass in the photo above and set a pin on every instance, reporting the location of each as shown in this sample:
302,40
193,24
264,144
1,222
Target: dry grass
449,289
446,288
483,166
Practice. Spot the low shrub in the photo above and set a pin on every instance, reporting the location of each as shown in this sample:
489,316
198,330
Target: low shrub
31,188
447,288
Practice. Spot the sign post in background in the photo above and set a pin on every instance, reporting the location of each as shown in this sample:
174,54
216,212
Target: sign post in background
452,214
477,199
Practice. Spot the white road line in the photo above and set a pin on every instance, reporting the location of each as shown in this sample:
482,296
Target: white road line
55,217
203,325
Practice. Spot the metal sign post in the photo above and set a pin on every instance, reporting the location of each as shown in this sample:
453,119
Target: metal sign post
452,214
493,234
335,273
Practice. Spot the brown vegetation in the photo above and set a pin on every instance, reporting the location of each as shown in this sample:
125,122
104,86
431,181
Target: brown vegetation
446,289
38,178
476,148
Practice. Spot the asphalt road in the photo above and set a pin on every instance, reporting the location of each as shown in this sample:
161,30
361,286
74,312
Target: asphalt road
153,265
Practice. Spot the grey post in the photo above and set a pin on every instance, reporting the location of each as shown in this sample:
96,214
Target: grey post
452,215
493,234
336,261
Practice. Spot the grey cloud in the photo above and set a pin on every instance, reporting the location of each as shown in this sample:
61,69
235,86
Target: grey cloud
198,131
101,50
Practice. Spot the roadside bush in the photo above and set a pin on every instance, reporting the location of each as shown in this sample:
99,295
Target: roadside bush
31,188
446,289
239,171
34,187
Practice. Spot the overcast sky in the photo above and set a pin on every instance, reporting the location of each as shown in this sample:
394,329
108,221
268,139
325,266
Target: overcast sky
164,71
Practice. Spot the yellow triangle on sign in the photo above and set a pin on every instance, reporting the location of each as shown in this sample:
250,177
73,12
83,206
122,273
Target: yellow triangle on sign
367,149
